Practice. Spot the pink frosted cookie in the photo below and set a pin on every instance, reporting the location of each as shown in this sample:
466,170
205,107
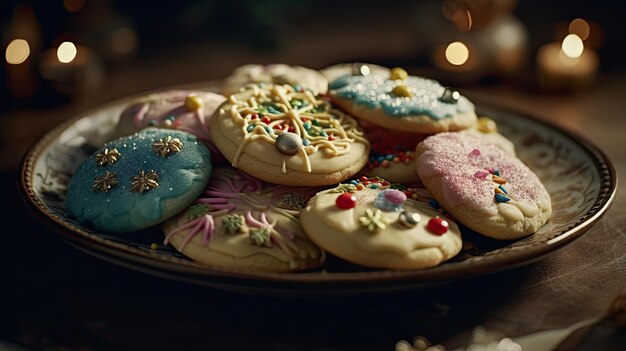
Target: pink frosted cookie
242,222
482,186
184,110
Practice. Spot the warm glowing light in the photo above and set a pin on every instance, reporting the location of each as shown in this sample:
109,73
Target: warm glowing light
66,52
579,27
572,46
469,20
73,5
17,51
457,53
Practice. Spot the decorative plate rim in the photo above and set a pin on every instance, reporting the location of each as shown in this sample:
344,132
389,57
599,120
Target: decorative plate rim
167,265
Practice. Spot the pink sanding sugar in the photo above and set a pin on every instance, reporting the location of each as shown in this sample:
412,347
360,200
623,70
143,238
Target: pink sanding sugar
461,160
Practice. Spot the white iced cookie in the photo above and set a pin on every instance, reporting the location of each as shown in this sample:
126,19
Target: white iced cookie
367,223
241,222
487,130
278,74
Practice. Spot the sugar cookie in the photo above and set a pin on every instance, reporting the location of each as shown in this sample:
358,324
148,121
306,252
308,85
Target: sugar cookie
278,73
368,223
285,135
138,181
241,222
402,102
185,110
482,186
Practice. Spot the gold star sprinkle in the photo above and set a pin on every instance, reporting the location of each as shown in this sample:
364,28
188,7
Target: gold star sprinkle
144,182
105,183
107,157
166,147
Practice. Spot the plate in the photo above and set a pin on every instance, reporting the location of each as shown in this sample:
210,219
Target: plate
579,177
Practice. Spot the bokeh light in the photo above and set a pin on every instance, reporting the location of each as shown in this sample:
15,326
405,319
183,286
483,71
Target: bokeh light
17,51
66,52
457,53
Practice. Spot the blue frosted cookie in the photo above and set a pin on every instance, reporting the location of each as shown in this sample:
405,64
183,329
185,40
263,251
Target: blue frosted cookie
138,181
401,102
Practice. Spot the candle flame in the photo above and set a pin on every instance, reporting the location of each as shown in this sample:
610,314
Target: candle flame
572,46
579,27
457,53
66,52
17,51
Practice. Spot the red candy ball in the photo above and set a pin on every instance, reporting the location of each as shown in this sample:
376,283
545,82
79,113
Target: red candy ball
437,225
346,201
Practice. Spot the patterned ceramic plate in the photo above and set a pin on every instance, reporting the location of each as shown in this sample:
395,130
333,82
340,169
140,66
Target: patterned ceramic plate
579,177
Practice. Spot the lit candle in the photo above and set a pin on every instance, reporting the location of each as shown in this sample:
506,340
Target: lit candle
71,68
567,65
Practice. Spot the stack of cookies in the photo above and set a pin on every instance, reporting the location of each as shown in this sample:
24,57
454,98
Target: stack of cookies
372,165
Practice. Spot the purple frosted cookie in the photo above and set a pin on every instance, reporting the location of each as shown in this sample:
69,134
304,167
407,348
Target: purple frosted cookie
185,110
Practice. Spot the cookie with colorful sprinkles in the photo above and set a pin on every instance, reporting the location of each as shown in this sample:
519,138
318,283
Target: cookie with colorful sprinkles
138,181
401,102
391,153
482,186
277,73
368,222
285,135
241,222
186,110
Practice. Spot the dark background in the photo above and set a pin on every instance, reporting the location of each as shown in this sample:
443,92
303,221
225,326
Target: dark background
54,297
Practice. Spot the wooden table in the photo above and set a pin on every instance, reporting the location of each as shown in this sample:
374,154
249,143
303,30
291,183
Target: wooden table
55,297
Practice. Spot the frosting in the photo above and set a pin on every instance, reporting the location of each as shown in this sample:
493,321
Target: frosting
128,194
277,74
376,231
176,109
478,174
413,96
243,216
278,114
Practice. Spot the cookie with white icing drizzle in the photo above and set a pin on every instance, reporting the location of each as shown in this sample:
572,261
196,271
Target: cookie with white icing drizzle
241,222
401,102
285,135
367,222
482,186
277,73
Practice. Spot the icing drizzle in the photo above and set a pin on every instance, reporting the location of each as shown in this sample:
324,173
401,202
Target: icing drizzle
272,110
230,193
